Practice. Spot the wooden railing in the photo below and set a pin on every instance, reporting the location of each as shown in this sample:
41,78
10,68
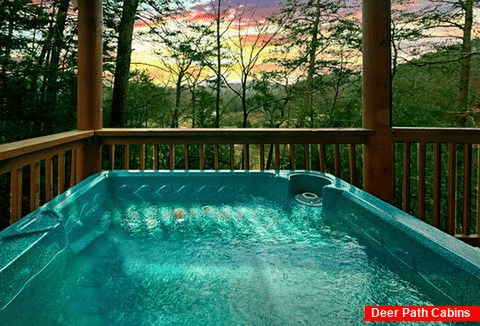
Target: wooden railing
438,178
437,170
241,149
33,171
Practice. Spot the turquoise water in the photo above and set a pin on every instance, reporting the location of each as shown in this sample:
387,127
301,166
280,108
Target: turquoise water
245,264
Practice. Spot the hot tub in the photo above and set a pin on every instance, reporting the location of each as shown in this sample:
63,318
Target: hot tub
224,248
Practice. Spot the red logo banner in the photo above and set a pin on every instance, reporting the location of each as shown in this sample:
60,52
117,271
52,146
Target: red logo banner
422,313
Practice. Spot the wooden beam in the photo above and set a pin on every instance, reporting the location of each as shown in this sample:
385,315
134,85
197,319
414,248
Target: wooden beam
34,145
89,98
436,135
377,99
232,136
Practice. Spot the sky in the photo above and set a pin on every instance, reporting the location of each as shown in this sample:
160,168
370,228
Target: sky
144,57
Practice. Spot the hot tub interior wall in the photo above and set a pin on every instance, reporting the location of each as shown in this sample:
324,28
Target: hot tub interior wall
27,252
409,257
312,183
86,215
198,188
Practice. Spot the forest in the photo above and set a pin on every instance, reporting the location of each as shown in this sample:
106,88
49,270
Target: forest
295,65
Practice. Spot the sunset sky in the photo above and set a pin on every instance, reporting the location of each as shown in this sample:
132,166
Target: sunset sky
144,57
203,13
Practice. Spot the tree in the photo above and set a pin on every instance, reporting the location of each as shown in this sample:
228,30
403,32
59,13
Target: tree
194,80
122,66
406,28
250,42
204,103
56,47
146,102
267,100
37,68
184,47
428,84
453,16
215,62
315,33
161,9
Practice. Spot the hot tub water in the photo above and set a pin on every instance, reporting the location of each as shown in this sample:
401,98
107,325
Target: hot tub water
252,264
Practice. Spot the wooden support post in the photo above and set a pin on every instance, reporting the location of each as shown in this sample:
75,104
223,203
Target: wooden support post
89,110
89,98
377,105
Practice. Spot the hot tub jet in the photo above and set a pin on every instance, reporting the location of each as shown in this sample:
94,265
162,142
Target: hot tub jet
309,198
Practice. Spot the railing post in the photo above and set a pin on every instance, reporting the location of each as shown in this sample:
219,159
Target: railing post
377,99
89,99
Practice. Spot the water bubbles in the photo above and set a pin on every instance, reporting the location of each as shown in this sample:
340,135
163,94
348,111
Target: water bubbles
255,222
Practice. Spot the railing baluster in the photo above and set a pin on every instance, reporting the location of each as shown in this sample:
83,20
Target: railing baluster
215,156
73,168
353,167
421,180
15,195
478,191
452,185
202,157
155,156
232,156
142,156
406,178
111,154
277,156
246,156
171,158
467,188
337,160
126,157
48,179
262,156
185,156
307,164
436,184
61,172
322,162
292,156
34,186
78,165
